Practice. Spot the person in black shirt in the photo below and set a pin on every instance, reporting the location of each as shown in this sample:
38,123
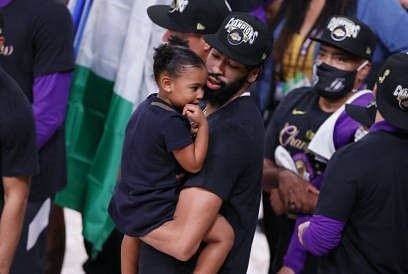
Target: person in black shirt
343,62
18,162
38,54
360,222
229,181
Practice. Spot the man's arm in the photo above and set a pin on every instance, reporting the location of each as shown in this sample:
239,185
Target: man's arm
180,238
16,191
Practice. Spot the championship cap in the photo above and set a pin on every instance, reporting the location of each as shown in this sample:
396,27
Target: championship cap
243,38
190,16
350,35
392,93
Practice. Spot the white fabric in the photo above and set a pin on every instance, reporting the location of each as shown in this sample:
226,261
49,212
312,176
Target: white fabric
322,144
283,159
38,224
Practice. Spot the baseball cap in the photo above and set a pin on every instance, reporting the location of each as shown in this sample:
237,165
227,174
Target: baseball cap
243,38
392,94
190,16
348,34
392,90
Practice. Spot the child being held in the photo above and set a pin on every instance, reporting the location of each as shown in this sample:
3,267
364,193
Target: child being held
158,147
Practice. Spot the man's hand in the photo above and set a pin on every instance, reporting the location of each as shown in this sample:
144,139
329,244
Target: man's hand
297,194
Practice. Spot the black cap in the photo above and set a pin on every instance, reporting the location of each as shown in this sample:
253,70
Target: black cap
243,38
350,35
392,90
190,16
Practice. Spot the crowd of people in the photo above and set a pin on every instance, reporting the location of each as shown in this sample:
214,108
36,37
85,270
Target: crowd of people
300,107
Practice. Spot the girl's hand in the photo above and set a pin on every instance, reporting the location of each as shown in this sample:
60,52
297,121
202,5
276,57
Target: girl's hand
194,114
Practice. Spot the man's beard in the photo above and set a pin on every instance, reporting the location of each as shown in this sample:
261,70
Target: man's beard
220,96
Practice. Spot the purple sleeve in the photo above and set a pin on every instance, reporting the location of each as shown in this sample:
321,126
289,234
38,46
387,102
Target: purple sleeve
296,254
50,97
345,126
322,235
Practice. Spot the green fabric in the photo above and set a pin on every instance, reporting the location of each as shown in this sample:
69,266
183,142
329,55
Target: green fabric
95,128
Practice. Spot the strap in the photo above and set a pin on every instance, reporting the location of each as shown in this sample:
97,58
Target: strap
162,106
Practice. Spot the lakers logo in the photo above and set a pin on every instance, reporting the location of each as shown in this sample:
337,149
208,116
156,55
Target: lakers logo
381,79
5,50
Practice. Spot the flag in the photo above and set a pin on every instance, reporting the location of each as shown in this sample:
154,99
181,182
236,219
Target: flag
105,88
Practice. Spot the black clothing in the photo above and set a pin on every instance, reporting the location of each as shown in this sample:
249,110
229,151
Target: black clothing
232,170
366,180
18,152
41,35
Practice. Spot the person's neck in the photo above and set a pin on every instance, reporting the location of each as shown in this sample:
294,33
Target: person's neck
331,105
378,117
4,3
161,96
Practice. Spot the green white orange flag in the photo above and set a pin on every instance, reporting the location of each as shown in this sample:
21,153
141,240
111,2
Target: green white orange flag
105,88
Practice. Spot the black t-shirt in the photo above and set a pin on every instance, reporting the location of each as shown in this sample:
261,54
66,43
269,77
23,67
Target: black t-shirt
232,170
39,38
18,152
365,186
147,192
293,124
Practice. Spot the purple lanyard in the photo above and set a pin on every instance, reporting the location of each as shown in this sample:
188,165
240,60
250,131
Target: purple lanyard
383,126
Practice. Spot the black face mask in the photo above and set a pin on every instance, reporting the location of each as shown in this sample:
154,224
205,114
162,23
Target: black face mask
220,96
330,82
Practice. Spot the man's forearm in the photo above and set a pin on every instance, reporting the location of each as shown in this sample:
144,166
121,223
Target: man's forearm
16,191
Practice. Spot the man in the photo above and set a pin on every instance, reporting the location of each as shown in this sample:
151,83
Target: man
18,162
346,46
229,182
190,20
39,57
361,213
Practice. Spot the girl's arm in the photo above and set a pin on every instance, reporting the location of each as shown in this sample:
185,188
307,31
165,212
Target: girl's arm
192,157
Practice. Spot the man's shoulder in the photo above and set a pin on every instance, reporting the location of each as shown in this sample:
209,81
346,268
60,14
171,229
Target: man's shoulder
242,118
360,151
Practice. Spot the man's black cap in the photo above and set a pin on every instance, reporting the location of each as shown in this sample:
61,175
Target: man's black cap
392,90
350,35
391,98
190,16
243,38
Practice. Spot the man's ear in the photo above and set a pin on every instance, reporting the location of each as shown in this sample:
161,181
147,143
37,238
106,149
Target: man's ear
206,46
253,75
166,83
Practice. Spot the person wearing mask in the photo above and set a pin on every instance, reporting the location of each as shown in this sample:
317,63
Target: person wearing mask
360,220
343,63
